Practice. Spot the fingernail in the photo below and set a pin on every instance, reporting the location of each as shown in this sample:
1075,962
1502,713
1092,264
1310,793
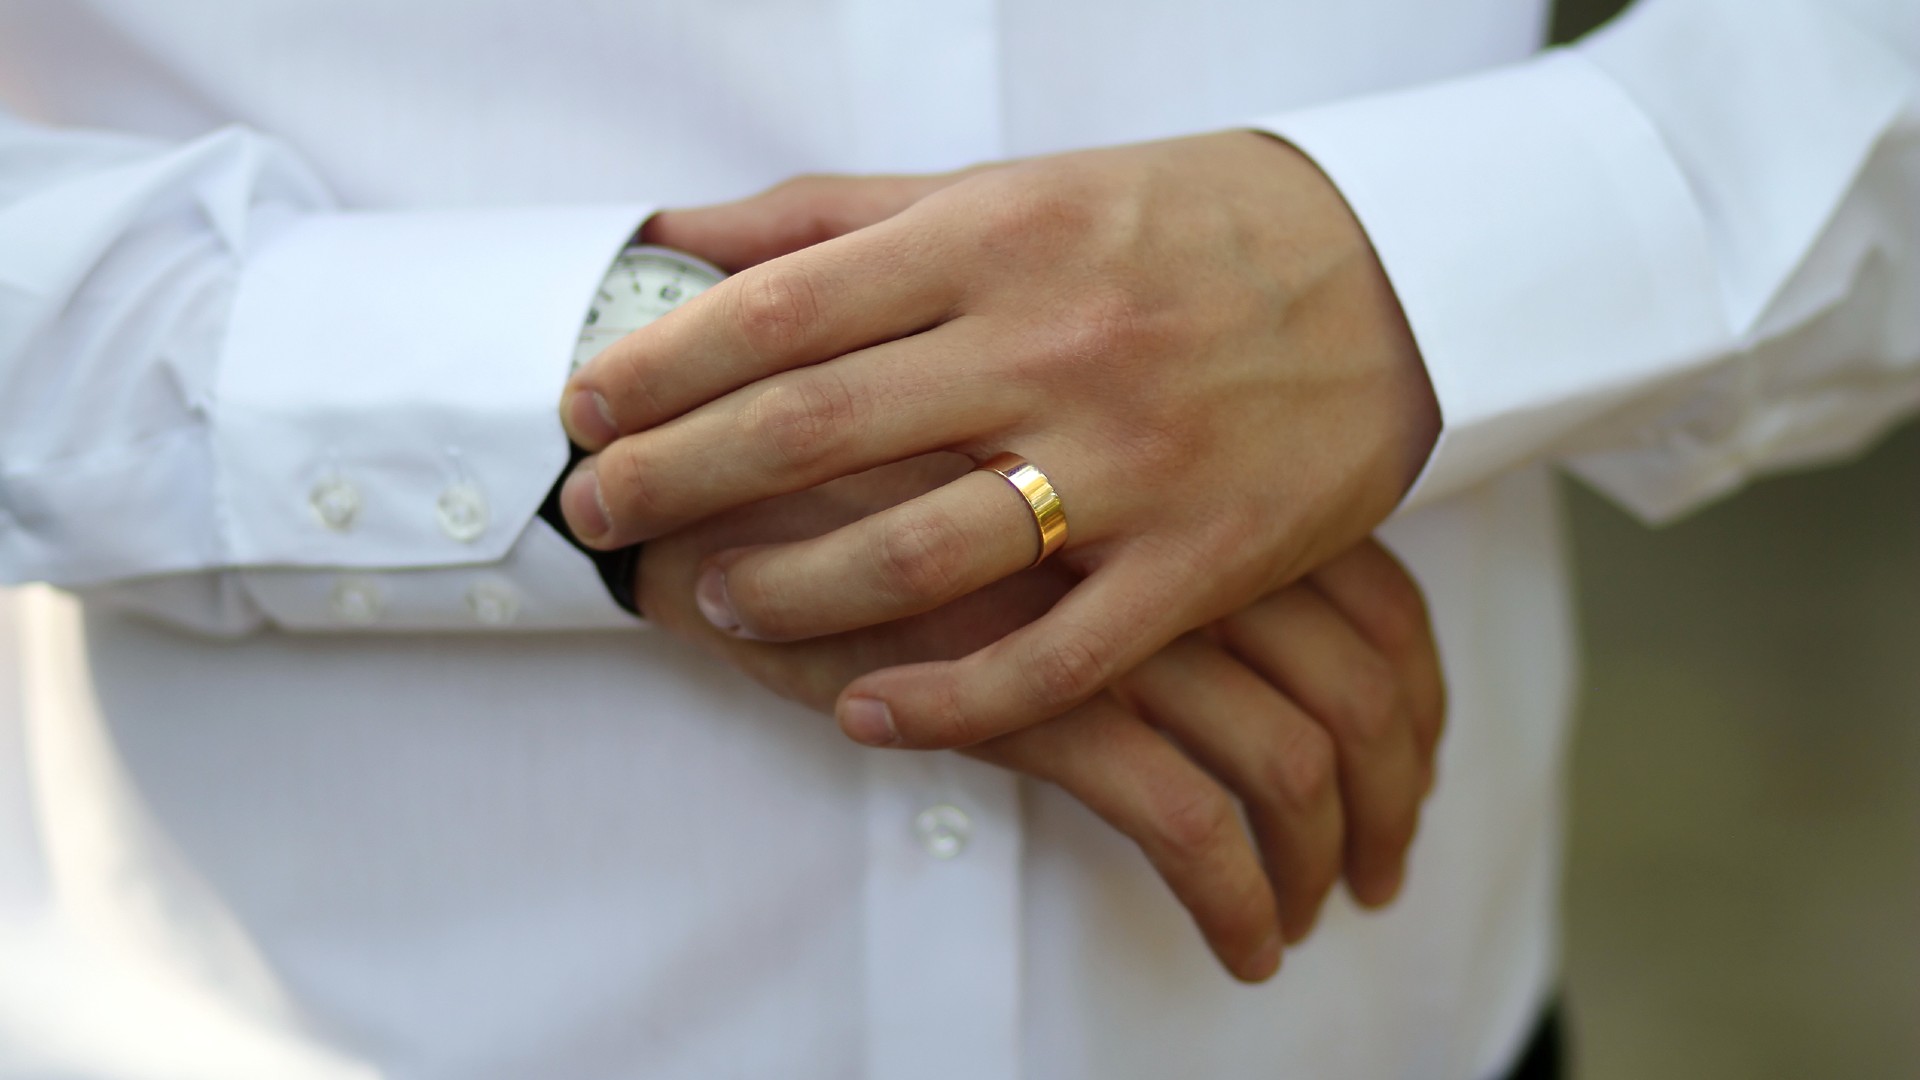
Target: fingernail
868,720
1264,962
584,504
710,594
590,420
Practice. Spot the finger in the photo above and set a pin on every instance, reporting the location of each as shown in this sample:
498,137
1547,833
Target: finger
899,562
870,286
1280,764
1182,820
798,213
1301,643
1380,598
792,432
814,671
1107,625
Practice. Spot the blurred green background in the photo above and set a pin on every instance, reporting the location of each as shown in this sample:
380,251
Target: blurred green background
1743,895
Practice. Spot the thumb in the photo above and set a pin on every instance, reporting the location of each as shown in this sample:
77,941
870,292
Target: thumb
798,213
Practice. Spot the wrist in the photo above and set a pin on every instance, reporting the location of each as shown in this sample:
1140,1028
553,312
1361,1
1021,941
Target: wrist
1345,272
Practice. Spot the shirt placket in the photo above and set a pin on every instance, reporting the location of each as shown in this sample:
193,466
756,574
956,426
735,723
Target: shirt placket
942,937
942,919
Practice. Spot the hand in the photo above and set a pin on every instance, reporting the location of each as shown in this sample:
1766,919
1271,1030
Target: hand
1193,338
1313,715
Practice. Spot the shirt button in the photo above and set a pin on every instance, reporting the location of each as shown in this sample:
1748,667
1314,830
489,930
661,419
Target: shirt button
492,603
943,830
335,502
463,512
357,601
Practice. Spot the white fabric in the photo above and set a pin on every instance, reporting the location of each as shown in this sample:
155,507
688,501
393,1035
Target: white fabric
1675,256
218,342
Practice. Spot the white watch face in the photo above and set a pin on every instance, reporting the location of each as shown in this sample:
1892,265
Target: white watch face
645,283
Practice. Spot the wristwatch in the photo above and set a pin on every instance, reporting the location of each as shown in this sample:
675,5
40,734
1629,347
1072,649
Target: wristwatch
644,283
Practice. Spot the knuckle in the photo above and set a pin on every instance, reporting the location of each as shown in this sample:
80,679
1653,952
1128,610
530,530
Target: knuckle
1364,712
762,606
1303,775
1033,212
1192,824
1402,618
1394,607
802,421
921,557
1065,669
945,719
636,399
811,208
1117,318
1103,329
776,310
633,498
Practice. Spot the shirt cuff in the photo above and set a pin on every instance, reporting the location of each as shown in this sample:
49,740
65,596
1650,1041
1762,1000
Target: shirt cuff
543,583
386,421
1541,240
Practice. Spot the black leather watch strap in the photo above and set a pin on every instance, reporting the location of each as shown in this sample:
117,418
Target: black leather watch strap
619,570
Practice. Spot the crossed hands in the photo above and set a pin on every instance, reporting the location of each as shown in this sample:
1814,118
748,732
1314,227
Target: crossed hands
1196,342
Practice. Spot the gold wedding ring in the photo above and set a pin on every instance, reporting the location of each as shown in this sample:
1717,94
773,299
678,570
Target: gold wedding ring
1033,485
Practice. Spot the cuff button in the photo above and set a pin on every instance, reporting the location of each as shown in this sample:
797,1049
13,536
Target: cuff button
492,603
357,601
336,503
463,512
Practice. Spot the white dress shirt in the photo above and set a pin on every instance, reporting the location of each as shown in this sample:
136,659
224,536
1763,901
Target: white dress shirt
287,293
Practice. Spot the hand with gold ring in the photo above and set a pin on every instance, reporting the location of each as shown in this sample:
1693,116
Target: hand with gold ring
1192,340
1251,762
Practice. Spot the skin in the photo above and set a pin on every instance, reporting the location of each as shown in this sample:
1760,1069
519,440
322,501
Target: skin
1249,760
1195,341
1193,338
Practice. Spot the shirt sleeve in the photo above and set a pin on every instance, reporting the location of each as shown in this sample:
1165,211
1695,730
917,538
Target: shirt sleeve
226,401
1682,253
